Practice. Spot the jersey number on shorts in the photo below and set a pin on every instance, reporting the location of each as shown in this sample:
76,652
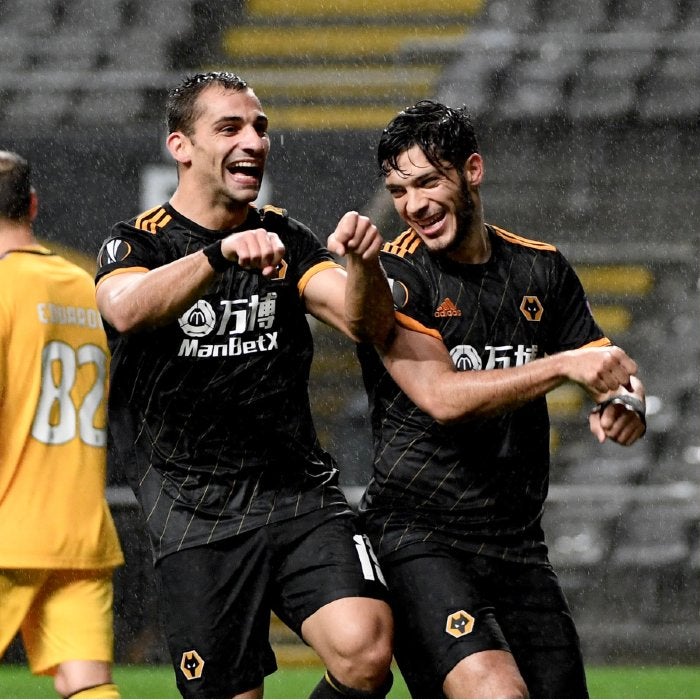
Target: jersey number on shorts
58,420
368,560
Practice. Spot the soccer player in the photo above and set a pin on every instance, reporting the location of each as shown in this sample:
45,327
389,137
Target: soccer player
58,543
205,299
461,458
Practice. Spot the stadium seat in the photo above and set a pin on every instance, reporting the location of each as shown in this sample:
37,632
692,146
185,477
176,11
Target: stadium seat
71,50
109,106
535,86
651,554
45,106
599,99
690,18
14,51
673,93
579,16
642,14
138,49
606,86
29,17
99,17
579,532
513,15
613,466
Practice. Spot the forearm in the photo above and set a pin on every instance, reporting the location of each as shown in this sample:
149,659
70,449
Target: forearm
450,396
369,307
420,364
133,301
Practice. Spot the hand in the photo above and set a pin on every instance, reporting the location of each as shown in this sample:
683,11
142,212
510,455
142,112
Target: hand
256,249
600,370
617,423
355,235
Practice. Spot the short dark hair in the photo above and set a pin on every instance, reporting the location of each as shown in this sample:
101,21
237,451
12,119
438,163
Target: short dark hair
180,111
15,186
444,134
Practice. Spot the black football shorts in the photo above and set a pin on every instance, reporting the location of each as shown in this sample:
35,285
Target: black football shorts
449,604
216,599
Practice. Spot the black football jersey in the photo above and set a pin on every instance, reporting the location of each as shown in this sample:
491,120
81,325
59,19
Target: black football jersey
481,484
209,415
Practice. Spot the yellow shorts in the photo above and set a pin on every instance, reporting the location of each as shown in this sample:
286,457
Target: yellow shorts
64,615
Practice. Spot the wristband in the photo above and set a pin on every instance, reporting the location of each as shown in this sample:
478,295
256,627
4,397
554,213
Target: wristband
216,258
631,403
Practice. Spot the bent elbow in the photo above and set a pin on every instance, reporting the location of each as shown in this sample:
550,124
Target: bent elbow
442,413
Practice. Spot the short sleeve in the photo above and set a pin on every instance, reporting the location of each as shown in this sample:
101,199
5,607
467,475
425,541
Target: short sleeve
574,320
128,247
412,295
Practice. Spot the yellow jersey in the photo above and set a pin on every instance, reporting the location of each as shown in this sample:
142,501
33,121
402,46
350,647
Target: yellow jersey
54,369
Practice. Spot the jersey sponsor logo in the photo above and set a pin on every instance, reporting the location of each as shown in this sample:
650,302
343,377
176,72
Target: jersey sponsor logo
236,317
531,308
447,308
191,665
199,320
459,624
234,346
114,251
467,357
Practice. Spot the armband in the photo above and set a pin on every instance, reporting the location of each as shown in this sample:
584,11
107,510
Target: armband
216,258
631,403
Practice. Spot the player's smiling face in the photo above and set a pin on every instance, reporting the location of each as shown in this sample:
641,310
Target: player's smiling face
229,145
437,204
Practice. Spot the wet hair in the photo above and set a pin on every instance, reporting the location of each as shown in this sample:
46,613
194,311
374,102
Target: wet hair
444,134
181,111
15,186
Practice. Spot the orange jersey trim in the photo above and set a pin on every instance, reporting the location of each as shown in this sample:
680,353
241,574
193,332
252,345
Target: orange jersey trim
121,271
412,325
603,342
152,220
325,265
519,240
403,244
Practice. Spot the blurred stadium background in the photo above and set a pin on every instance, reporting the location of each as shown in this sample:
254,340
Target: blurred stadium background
589,115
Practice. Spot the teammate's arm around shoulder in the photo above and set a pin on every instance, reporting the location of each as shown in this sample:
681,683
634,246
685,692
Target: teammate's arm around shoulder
131,301
356,300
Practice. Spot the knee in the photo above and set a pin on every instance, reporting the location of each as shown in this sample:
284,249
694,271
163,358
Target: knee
488,674
363,654
73,676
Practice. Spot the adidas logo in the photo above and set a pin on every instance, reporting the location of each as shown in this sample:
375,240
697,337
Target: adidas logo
447,308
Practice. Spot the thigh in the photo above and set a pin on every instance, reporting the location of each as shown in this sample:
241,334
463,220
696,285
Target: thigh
537,623
443,613
217,615
71,620
18,588
322,559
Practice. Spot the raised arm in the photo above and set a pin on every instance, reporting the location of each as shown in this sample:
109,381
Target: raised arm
131,301
423,369
357,300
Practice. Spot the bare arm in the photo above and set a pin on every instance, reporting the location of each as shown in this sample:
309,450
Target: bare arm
134,300
422,367
357,300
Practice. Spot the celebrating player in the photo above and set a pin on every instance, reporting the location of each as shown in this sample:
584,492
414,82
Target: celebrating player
205,299
58,543
461,458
